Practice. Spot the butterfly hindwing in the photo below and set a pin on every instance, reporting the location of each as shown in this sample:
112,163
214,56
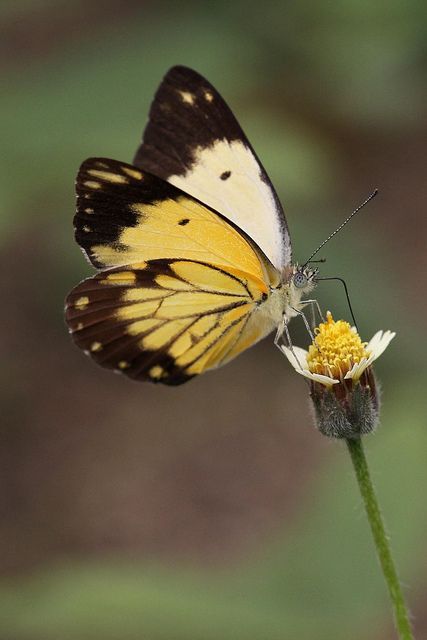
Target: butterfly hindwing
193,141
165,320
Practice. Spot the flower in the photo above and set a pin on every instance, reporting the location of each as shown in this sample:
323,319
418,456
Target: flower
337,353
339,367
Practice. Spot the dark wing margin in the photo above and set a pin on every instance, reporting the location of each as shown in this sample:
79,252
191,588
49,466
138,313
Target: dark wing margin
106,190
188,115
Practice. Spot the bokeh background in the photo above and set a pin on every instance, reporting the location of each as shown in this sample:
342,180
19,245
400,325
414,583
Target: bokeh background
212,511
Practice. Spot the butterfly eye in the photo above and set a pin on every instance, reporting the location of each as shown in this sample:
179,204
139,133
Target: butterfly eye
300,279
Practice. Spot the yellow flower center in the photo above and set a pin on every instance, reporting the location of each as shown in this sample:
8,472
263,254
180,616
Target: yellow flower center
336,348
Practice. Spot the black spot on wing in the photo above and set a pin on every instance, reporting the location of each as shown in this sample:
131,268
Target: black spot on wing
225,175
183,222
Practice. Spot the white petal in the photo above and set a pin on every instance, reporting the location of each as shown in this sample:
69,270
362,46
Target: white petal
376,346
352,372
379,343
297,357
317,377
374,341
358,368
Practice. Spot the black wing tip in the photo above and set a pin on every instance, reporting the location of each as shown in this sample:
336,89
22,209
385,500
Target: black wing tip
187,78
182,70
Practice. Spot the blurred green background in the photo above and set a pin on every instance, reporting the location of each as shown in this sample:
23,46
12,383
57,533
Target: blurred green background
212,511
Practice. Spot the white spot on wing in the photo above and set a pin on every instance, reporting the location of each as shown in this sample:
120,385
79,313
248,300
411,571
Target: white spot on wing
186,97
81,303
133,173
156,372
108,176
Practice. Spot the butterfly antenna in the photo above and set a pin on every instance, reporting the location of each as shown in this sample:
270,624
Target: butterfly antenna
365,202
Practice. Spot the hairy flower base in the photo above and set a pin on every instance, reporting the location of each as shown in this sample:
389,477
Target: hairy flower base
346,410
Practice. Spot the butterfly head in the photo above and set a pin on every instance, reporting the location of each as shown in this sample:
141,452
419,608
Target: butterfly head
301,281
303,278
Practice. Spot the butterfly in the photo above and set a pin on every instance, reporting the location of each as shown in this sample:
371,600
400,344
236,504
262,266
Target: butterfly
191,243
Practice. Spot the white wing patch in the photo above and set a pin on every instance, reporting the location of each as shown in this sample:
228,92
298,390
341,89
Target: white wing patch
227,177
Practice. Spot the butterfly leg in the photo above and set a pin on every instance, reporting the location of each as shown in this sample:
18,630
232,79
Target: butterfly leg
283,329
307,326
314,305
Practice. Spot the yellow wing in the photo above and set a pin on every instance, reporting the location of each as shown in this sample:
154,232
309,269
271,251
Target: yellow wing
166,320
181,289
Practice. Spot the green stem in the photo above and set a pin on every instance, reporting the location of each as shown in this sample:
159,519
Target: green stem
382,543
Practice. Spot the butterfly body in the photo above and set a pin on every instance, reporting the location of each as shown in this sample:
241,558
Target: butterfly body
191,243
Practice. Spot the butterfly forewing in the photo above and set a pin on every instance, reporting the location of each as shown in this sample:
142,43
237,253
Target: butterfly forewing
193,141
125,215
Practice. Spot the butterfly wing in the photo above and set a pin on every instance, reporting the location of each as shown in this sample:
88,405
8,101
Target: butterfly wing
165,320
126,215
181,289
193,141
